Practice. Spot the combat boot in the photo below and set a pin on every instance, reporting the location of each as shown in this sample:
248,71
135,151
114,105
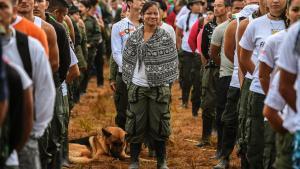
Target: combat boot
160,148
223,164
135,149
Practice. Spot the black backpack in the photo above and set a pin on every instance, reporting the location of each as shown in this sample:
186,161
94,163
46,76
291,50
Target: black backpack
10,131
23,48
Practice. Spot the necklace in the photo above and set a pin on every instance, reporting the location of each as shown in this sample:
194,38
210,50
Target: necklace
274,30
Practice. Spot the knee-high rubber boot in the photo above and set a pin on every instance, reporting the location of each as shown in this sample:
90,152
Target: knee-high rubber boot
135,149
161,154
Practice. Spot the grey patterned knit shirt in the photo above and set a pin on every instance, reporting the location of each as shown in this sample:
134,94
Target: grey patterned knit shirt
159,55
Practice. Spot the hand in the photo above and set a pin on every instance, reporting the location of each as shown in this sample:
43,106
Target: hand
113,86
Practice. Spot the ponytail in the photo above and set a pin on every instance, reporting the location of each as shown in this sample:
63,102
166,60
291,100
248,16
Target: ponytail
188,22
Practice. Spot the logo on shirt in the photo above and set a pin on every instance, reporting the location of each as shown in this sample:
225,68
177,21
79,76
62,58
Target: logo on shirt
126,32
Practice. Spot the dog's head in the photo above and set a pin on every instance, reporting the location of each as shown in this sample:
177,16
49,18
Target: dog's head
115,140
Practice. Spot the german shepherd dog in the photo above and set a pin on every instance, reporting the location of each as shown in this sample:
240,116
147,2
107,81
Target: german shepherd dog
111,142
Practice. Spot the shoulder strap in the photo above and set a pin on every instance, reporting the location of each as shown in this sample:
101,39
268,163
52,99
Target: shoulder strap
23,48
200,24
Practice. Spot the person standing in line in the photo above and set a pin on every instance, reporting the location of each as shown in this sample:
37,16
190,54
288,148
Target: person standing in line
229,118
119,35
210,73
148,75
49,142
260,152
190,63
25,9
37,67
245,80
93,34
226,69
281,117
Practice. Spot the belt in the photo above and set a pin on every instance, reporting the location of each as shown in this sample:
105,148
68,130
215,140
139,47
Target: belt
120,73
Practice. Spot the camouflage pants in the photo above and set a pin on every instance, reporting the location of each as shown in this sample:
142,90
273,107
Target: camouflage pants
255,130
65,145
209,99
230,121
121,101
29,156
269,146
242,146
148,116
284,150
57,129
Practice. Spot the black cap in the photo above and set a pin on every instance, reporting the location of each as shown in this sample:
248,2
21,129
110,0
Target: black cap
73,9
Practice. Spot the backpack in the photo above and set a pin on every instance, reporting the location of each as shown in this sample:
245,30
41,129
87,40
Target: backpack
10,131
23,48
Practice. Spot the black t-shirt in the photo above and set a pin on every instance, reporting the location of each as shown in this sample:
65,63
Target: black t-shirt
64,50
206,37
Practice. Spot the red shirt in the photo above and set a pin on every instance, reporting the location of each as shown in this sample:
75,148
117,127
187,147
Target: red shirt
171,19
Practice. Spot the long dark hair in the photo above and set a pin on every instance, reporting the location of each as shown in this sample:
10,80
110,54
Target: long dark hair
188,21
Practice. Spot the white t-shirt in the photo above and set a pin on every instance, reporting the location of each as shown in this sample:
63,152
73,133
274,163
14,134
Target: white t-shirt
170,30
74,59
26,83
291,121
119,35
184,10
139,75
181,23
288,58
253,40
38,21
269,53
43,84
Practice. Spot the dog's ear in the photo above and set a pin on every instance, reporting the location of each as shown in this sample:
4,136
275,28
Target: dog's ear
106,133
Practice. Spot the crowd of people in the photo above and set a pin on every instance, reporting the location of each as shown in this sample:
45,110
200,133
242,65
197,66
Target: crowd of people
236,60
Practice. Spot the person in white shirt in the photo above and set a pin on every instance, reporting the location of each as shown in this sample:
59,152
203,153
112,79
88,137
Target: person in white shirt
119,35
288,62
190,63
44,91
258,149
226,95
275,109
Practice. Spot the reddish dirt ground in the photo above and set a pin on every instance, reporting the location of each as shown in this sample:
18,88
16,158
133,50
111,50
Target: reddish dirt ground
96,110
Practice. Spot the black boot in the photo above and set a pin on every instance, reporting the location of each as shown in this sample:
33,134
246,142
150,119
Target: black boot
135,149
223,164
161,154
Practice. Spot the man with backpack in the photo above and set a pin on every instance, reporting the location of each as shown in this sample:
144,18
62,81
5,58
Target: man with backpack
29,54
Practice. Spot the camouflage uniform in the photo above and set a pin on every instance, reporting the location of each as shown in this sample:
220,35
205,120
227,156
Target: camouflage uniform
93,35
154,99
284,151
242,146
208,97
